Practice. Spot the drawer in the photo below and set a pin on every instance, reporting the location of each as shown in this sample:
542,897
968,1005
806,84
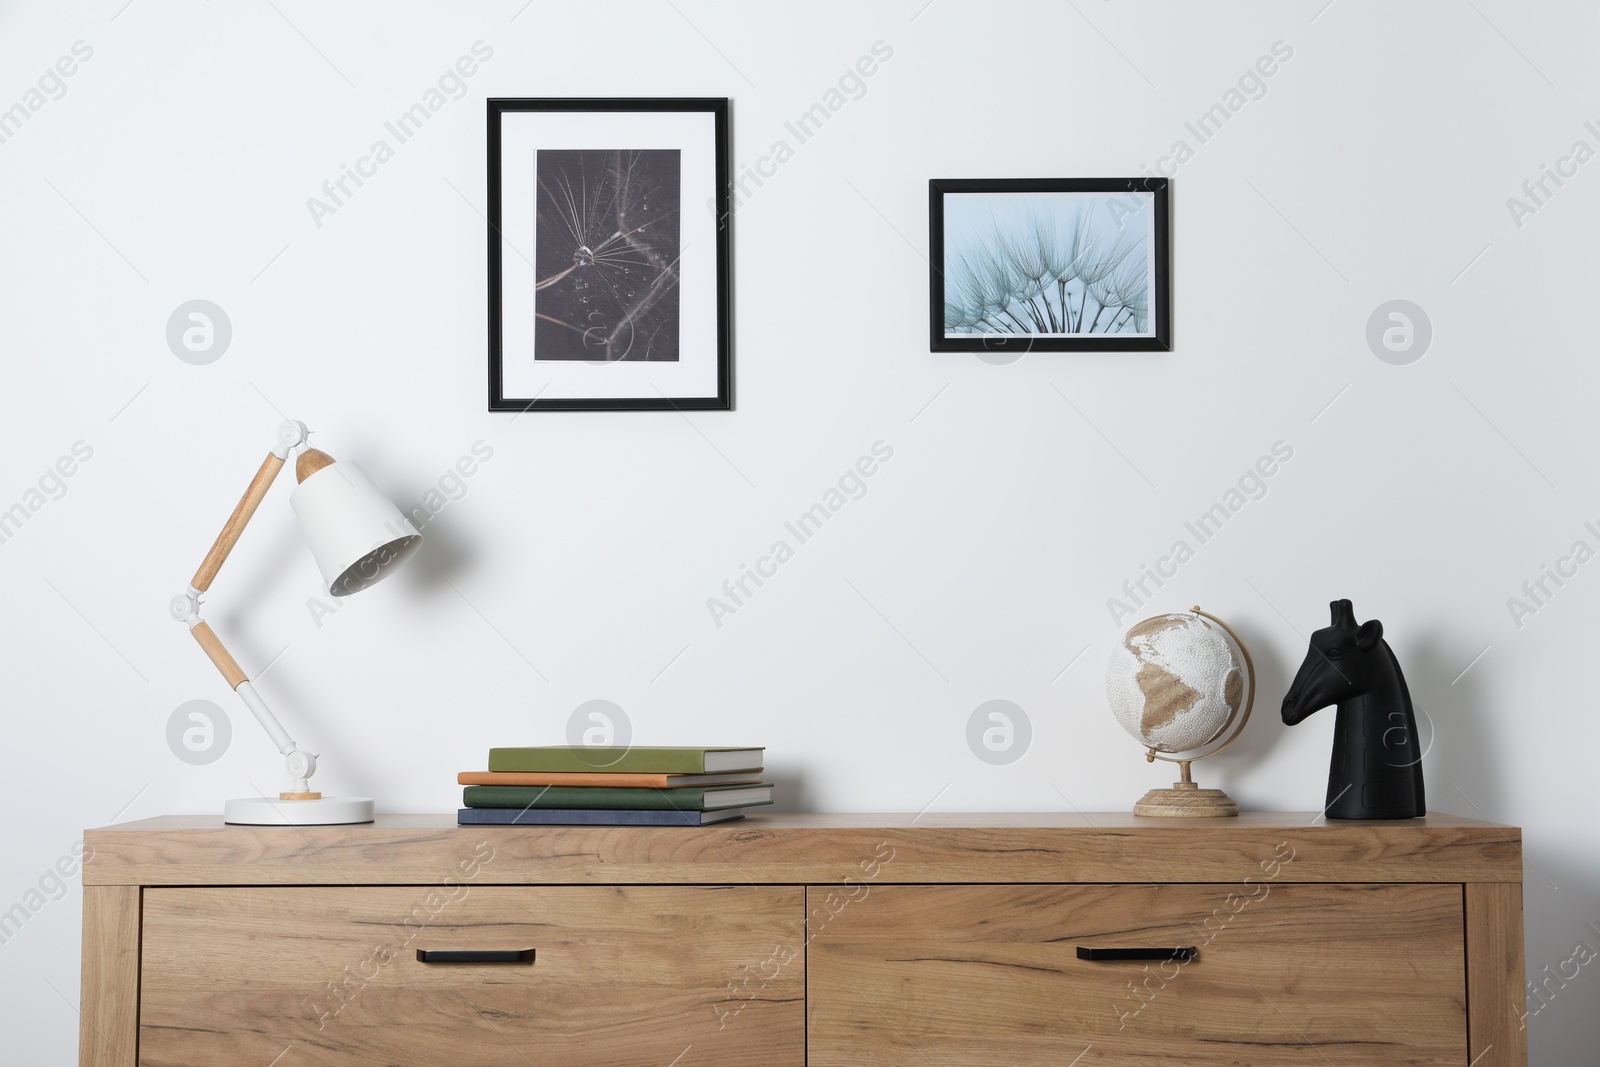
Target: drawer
301,976
1284,976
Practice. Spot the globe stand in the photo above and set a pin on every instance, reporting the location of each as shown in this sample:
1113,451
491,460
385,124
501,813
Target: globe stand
1186,800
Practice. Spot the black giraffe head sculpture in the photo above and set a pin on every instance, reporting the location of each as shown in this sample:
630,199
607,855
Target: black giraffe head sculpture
1376,772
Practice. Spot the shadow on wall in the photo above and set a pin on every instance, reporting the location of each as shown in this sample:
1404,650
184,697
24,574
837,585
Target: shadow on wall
1265,730
788,788
1461,771
443,555
1465,775
1561,906
239,592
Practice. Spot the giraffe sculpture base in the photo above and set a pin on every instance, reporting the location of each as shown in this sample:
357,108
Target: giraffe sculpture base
1185,800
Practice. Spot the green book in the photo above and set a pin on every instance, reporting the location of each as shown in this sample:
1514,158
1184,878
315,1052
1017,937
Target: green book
601,798
621,760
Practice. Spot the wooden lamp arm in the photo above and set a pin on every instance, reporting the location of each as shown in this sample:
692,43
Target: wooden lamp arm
301,764
291,435
186,605
235,525
219,655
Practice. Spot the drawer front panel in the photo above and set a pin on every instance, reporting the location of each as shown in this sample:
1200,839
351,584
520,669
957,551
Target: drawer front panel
1284,976
329,975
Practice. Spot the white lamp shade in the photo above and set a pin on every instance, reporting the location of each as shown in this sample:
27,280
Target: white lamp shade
356,533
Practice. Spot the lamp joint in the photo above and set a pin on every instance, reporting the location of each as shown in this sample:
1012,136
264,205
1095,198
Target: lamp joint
185,607
292,434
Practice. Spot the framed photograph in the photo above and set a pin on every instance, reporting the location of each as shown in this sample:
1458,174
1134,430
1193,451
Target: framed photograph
1049,265
609,255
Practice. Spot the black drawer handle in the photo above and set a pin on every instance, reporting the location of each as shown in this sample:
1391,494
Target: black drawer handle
475,955
1099,954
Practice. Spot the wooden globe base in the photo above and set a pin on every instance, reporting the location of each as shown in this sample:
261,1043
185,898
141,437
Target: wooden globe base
1185,800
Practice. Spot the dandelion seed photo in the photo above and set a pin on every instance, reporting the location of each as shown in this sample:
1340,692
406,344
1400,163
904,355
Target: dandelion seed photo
1059,269
606,251
610,288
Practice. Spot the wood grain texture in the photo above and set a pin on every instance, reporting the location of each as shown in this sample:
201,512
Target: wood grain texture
639,976
1185,800
1295,976
1044,847
291,949
108,1028
310,462
219,654
1496,987
253,494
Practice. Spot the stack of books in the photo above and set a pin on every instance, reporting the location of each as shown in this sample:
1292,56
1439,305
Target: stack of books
559,785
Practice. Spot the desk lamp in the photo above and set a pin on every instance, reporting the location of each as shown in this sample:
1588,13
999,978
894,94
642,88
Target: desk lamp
357,536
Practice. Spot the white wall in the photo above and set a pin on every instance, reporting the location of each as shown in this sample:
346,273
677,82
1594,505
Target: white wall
578,563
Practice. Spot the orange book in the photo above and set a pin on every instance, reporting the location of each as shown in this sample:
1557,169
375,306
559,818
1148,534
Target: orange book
602,778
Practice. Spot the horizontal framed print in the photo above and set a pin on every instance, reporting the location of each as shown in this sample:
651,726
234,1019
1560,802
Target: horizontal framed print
1049,265
609,255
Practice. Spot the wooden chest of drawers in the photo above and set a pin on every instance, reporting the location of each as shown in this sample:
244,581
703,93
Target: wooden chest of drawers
1271,939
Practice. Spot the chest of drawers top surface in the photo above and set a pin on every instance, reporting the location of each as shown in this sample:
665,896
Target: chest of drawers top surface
798,849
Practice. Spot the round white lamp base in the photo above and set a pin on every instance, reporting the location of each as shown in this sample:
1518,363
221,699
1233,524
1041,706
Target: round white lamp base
324,811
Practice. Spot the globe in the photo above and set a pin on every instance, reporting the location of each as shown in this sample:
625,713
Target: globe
1178,683
1175,682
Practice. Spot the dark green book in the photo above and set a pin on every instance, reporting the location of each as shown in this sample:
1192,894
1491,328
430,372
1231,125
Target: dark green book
600,798
626,760
571,817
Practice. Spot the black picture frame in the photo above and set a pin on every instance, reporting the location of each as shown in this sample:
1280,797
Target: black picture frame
497,109
1158,336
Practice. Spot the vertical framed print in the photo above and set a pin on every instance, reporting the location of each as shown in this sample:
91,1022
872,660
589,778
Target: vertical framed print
1049,265
609,270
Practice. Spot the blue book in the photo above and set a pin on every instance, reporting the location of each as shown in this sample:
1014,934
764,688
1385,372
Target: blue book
590,817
